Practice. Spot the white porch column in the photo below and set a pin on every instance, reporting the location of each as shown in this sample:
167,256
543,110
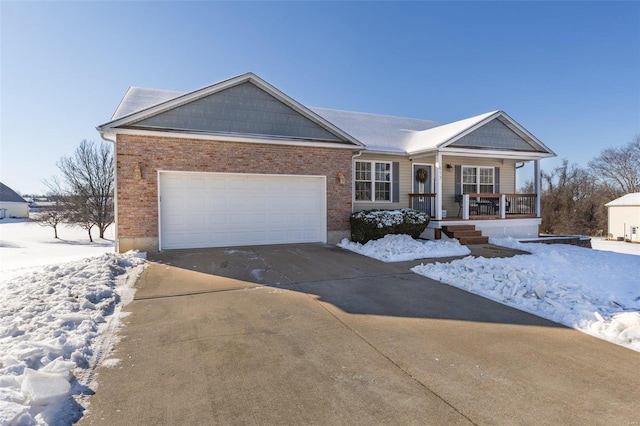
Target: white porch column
438,183
465,207
538,185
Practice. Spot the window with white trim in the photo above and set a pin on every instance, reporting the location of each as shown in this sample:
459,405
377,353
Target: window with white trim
477,180
372,181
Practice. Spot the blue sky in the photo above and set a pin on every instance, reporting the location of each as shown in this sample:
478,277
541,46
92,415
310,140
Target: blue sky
569,72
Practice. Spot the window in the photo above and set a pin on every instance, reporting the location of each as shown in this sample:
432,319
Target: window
373,181
477,180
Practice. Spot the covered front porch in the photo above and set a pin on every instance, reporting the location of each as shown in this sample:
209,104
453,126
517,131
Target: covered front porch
495,215
455,199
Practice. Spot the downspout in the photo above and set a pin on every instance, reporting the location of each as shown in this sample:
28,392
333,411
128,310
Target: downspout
115,189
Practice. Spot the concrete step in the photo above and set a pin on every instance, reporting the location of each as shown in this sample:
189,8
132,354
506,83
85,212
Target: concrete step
465,234
460,234
473,240
453,228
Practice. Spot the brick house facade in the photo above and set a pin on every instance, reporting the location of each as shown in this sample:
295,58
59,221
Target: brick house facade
137,208
241,163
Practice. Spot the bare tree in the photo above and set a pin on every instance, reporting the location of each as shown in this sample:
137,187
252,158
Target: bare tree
618,169
78,212
53,217
90,177
572,203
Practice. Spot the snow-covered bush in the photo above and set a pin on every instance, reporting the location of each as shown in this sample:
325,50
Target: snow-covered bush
370,225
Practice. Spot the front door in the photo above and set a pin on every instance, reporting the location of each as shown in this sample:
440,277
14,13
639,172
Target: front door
423,184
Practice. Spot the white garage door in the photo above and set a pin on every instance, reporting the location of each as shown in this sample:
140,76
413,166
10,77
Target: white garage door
223,209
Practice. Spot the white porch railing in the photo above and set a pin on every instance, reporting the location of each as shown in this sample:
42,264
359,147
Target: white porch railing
502,206
481,206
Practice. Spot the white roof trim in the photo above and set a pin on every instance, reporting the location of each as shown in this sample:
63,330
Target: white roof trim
230,138
439,138
133,117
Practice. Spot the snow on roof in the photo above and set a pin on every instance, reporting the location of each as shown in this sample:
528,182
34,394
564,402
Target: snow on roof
434,137
139,98
377,132
632,199
8,195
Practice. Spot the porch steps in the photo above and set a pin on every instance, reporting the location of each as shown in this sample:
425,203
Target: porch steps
465,234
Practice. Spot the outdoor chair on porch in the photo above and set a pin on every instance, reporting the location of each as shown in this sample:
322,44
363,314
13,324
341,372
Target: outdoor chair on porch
473,207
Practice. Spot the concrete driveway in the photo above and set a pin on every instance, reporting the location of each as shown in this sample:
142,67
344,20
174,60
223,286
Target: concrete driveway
313,334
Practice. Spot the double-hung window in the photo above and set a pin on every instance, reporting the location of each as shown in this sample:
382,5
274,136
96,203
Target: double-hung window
478,180
372,181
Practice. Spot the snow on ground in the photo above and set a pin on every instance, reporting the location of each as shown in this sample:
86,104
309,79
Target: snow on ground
597,292
397,248
60,305
593,290
24,245
616,246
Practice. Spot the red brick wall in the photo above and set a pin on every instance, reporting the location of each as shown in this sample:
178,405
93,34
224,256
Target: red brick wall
138,198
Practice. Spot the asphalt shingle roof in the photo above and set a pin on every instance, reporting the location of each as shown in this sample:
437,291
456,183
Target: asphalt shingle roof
8,195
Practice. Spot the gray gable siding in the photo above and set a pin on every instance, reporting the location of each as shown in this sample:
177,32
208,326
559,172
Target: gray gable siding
494,135
243,109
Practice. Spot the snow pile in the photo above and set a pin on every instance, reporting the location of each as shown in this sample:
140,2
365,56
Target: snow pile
53,321
397,248
594,291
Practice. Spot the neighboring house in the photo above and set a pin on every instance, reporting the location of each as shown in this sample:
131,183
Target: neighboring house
624,217
12,204
240,163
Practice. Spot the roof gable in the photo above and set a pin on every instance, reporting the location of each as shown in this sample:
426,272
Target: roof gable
501,134
244,106
8,195
242,109
494,135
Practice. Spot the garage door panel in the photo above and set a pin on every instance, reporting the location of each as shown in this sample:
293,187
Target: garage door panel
217,209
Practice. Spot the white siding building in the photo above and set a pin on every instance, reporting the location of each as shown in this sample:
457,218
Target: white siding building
624,217
12,204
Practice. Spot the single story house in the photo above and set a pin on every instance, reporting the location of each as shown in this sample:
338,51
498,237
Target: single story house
624,217
12,204
241,163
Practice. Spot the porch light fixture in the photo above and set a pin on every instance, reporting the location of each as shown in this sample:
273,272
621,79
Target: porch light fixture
449,167
341,178
137,173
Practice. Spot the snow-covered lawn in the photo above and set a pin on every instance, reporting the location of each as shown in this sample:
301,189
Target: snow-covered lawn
615,246
60,303
25,245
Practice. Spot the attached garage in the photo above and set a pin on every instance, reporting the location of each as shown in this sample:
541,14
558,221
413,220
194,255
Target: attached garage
235,163
199,210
